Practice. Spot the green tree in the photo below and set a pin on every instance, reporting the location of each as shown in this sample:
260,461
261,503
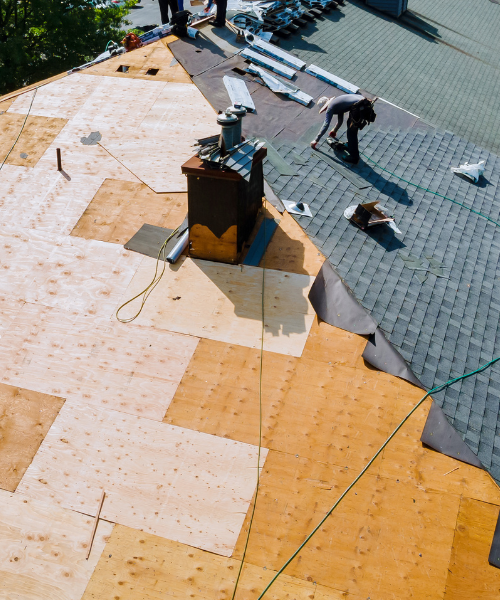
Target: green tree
41,38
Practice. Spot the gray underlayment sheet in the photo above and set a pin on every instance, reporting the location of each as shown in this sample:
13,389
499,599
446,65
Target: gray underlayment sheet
150,238
494,557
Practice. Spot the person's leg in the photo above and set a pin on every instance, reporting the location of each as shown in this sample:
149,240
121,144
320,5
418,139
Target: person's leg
174,7
164,11
352,143
326,124
220,19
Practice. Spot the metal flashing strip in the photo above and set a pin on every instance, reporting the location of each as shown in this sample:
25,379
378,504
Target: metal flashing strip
342,84
280,55
238,92
381,354
278,162
268,63
272,198
441,436
335,304
281,87
261,241
494,557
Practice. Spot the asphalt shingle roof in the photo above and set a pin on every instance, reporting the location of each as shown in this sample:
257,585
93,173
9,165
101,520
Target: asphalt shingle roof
445,320
444,67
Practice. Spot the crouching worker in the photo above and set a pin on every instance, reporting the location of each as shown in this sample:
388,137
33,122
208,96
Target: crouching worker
361,113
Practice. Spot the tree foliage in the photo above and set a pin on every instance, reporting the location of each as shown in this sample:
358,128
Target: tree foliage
40,38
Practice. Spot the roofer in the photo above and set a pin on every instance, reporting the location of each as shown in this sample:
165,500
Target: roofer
361,113
220,17
164,6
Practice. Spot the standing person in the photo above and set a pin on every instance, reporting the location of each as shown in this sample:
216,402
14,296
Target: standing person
164,6
220,19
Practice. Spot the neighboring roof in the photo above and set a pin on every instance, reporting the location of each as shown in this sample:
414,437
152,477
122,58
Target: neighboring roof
450,79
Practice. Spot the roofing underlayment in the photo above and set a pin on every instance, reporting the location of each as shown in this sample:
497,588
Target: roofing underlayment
162,413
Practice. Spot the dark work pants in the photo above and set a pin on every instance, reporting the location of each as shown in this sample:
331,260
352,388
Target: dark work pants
164,6
352,140
221,12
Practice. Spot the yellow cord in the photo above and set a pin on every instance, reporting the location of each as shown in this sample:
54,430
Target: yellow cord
155,281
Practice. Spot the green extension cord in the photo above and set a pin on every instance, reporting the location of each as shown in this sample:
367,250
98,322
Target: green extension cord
419,403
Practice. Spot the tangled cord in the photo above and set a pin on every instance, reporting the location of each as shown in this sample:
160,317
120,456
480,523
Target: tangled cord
162,254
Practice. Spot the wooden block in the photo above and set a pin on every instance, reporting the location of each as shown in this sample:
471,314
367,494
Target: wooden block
290,249
387,539
98,362
469,574
36,136
77,275
140,61
173,482
43,549
224,302
331,414
25,418
139,564
120,208
44,200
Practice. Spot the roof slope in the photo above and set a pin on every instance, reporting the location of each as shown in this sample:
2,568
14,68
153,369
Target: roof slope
453,86
445,323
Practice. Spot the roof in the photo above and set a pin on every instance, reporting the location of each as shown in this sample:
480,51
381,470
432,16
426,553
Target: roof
164,413
441,64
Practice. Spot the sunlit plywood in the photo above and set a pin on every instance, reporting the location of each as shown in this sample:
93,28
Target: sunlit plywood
103,363
163,141
77,275
25,418
120,208
224,302
9,309
137,564
470,575
387,540
43,550
44,200
36,136
333,414
173,482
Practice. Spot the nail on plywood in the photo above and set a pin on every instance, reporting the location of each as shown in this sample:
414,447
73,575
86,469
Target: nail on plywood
43,549
83,276
173,482
92,361
120,208
25,418
37,135
223,302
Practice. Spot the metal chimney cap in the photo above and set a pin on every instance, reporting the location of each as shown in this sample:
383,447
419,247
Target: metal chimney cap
226,118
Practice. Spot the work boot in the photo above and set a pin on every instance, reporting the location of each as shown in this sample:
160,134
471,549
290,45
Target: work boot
332,135
314,144
350,160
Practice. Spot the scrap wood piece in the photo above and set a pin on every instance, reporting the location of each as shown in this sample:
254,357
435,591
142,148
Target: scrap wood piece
381,354
441,436
96,522
43,547
173,482
334,303
261,241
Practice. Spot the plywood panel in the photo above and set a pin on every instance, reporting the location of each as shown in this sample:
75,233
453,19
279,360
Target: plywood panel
43,550
137,564
120,208
82,276
173,482
36,136
470,575
290,249
9,309
163,141
103,363
153,56
336,415
44,200
59,99
25,418
387,540
223,302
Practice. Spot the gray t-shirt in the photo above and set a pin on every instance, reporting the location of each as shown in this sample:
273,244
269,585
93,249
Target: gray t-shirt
344,103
